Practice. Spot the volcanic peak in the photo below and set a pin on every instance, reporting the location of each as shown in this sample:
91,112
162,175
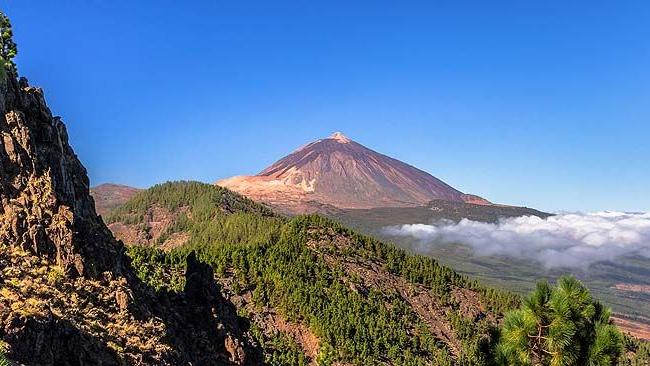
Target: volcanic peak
337,171
340,137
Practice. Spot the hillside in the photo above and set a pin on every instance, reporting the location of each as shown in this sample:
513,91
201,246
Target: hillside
321,287
154,217
608,280
339,172
315,290
109,196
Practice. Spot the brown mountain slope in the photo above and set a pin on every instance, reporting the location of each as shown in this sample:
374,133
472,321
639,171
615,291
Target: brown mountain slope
339,172
108,196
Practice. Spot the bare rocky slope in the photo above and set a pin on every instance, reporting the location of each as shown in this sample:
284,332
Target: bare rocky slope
339,172
68,292
108,196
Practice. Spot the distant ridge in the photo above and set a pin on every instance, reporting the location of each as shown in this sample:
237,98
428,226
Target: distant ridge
109,196
340,172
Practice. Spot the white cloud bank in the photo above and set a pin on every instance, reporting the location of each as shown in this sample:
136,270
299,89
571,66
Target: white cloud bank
564,240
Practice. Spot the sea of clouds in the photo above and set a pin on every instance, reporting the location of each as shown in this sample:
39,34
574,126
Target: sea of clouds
564,240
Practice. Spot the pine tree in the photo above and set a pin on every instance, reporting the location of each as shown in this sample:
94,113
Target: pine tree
560,326
8,49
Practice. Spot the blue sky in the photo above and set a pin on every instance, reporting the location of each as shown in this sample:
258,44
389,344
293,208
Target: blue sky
538,103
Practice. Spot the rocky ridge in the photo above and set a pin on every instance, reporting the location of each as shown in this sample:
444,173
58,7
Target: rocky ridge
68,294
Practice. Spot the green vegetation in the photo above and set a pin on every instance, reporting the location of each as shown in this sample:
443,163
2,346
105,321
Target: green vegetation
203,199
296,267
560,326
157,269
292,278
271,258
281,349
518,276
3,359
204,211
637,353
8,49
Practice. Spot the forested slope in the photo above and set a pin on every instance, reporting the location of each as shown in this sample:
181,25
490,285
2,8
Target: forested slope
308,278
314,291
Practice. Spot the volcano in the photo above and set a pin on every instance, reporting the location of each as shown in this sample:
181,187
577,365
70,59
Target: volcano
338,172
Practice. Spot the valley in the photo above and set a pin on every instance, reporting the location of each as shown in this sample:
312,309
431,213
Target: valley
294,266
517,275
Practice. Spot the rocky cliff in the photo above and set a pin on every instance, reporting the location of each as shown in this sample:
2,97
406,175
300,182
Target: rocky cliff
68,293
46,206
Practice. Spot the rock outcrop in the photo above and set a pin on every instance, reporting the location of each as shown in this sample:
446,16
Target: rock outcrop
44,189
68,294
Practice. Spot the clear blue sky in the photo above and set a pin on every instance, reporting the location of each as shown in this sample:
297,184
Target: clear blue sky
539,103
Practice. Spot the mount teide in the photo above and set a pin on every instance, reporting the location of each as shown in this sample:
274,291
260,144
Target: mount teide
342,173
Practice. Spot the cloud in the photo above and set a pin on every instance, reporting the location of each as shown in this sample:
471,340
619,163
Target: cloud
564,240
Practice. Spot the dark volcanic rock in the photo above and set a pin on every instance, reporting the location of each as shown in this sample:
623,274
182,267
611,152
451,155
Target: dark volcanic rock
46,205
199,282
53,341
69,294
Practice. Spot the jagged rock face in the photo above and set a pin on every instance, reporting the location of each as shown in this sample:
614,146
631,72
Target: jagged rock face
339,172
44,188
96,311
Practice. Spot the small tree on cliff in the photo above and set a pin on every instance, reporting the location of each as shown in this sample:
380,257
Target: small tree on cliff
8,49
560,326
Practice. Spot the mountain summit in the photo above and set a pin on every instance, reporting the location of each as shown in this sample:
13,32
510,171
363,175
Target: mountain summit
340,172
